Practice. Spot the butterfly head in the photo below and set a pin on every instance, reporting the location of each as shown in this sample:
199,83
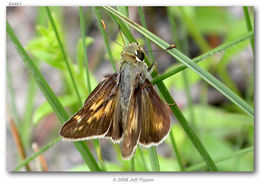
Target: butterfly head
134,51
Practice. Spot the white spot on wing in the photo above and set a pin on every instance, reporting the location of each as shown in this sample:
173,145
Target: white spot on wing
80,128
78,118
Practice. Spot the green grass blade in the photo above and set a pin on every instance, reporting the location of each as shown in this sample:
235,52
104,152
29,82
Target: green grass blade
124,10
29,109
132,164
225,46
218,49
186,82
35,155
188,62
178,157
99,154
64,54
179,116
103,33
249,26
85,54
45,88
13,107
154,159
87,156
222,158
189,99
250,90
143,159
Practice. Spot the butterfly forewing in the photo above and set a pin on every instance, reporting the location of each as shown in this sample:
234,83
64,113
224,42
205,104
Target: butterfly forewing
116,128
96,116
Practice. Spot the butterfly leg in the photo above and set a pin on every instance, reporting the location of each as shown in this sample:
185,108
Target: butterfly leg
154,66
171,104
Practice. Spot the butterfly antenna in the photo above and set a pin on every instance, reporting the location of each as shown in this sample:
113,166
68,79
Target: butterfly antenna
171,47
121,34
105,28
168,48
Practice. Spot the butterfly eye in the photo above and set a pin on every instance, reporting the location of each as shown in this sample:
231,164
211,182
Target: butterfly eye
140,55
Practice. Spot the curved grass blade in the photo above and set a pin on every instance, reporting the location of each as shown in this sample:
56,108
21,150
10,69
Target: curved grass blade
188,62
49,95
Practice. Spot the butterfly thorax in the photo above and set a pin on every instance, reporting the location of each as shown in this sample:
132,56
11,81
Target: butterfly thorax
133,53
130,75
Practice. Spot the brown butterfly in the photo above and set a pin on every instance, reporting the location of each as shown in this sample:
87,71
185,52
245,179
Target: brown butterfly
124,106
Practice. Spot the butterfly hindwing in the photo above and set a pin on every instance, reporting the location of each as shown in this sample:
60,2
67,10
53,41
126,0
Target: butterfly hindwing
155,121
96,116
148,121
133,123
